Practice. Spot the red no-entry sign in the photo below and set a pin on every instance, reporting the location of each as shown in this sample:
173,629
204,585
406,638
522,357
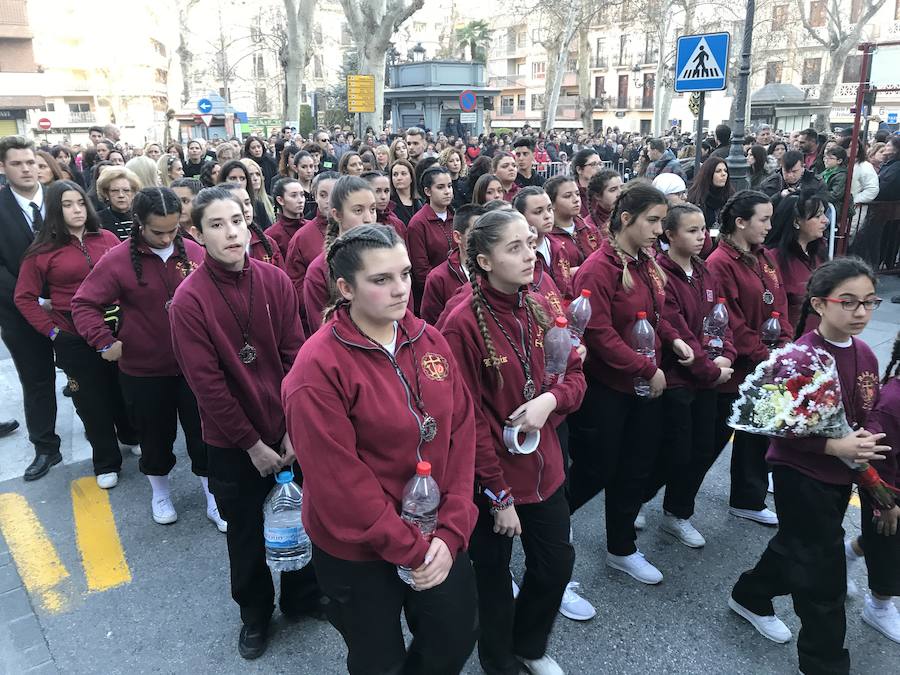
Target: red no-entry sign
44,124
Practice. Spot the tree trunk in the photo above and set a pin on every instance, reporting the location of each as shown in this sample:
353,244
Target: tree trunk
185,57
299,47
821,120
557,55
585,96
662,92
373,24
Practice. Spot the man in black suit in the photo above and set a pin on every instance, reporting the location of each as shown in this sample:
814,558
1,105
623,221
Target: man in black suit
21,213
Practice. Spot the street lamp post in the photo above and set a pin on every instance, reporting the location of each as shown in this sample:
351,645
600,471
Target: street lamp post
738,167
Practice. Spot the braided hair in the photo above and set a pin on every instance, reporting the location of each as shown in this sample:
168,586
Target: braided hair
482,238
635,198
829,276
252,225
893,367
154,201
344,258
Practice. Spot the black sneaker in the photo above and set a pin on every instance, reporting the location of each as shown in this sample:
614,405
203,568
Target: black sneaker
253,640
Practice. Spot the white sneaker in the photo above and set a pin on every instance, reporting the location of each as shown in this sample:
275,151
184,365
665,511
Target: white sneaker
636,565
515,589
682,530
213,514
542,666
885,620
640,522
163,511
771,488
852,560
765,516
768,626
573,606
108,480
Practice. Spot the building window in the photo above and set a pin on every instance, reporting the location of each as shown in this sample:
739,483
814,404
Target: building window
537,101
346,37
520,103
317,67
648,90
599,87
160,76
817,13
600,58
851,68
259,66
773,72
623,50
572,63
779,17
262,100
538,70
507,103
622,97
522,38
256,33
48,107
812,71
79,107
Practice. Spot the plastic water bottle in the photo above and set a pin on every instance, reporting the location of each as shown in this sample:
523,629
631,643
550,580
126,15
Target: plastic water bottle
714,326
643,341
770,333
579,314
421,498
557,347
287,544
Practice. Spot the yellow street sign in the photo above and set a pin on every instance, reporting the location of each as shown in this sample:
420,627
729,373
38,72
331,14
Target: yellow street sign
360,93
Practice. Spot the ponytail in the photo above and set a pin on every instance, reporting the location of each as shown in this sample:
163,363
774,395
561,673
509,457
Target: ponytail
893,367
635,198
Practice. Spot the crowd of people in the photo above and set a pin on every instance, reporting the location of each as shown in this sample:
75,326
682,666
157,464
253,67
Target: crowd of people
349,308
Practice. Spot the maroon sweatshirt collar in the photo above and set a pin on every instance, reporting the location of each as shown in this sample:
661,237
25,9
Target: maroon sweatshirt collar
503,302
343,329
222,272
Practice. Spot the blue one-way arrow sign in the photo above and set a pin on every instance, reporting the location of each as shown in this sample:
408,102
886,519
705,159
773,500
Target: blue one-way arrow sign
701,62
204,105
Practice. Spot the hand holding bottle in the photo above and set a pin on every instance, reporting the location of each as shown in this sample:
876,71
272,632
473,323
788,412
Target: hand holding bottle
436,567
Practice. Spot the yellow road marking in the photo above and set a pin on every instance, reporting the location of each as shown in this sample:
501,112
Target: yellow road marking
97,537
35,556
854,500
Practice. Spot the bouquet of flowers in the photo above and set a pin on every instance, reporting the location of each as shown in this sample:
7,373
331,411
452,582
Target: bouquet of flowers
796,393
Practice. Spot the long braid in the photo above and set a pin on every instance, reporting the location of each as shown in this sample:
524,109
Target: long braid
537,312
627,280
893,367
182,254
136,261
478,302
332,232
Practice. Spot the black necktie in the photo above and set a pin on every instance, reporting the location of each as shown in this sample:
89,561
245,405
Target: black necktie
37,220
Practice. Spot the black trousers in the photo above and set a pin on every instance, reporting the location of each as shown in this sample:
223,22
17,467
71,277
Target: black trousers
614,439
240,492
882,555
806,560
156,405
32,355
98,400
749,470
688,448
521,627
364,604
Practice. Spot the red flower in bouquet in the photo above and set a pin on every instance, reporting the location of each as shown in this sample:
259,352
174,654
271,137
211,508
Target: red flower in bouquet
796,383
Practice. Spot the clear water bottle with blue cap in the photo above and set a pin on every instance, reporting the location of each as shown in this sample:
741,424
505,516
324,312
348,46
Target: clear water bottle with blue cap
287,544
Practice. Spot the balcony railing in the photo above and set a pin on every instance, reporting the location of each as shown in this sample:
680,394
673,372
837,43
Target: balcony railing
601,62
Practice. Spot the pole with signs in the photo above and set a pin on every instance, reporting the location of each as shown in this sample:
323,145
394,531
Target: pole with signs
738,166
701,65
360,96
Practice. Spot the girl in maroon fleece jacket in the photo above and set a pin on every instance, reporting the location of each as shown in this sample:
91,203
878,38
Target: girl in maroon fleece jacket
753,289
395,397
813,486
796,242
689,401
142,274
236,331
534,203
615,435
445,279
430,232
497,339
880,542
384,207
352,203
578,238
289,199
63,253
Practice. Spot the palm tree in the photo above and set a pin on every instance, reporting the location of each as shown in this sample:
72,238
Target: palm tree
476,35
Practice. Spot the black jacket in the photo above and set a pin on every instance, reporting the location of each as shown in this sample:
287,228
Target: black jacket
15,238
774,184
889,181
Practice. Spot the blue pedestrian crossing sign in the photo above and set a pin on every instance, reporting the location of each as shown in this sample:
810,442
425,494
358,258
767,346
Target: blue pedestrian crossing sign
701,62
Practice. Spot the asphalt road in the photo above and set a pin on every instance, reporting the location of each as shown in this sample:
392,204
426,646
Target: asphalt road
108,591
